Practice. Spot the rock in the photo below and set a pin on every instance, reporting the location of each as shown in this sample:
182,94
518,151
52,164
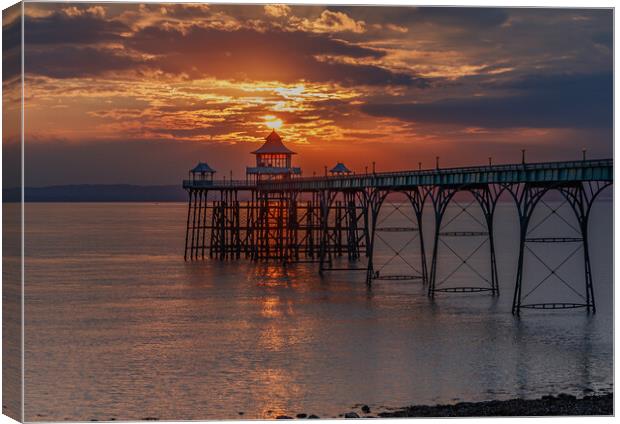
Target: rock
365,409
351,415
283,417
302,415
313,417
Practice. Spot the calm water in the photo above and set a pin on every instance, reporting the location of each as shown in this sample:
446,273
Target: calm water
118,326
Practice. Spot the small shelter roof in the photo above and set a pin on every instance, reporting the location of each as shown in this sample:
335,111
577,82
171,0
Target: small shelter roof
340,169
202,168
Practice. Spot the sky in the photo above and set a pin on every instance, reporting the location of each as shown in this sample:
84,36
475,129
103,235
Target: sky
138,93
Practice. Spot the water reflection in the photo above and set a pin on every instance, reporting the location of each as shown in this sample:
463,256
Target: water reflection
113,333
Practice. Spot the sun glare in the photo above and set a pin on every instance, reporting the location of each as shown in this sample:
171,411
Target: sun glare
272,122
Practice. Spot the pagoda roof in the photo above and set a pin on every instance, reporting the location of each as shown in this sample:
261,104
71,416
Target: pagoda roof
340,169
202,167
273,144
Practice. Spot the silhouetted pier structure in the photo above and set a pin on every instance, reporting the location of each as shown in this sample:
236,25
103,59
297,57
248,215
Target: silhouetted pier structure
276,214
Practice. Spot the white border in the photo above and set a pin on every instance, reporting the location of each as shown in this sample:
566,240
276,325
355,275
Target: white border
482,3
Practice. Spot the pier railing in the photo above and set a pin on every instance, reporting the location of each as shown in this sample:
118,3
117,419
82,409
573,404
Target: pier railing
218,184
584,170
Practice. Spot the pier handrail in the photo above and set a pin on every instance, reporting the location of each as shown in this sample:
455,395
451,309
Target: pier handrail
461,169
581,170
598,169
218,183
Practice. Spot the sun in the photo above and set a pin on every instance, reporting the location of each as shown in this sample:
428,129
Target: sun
272,122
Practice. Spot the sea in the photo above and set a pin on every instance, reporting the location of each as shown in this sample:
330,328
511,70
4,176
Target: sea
119,327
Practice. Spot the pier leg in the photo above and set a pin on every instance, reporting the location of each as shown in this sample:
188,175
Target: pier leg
374,201
193,244
580,196
487,197
189,212
417,198
440,197
325,200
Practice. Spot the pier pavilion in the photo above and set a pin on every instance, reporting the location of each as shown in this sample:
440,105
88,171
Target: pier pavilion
273,161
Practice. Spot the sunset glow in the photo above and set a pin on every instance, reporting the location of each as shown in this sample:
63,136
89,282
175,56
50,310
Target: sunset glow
272,122
398,85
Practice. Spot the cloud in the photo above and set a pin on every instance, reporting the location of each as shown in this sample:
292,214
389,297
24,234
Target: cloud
272,43
332,22
277,10
559,101
73,11
11,49
456,17
204,76
267,56
463,17
605,38
73,62
77,26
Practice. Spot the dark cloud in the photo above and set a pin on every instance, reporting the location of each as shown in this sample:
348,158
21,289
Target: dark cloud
269,55
201,52
605,38
71,62
459,17
11,49
464,17
246,42
60,28
579,85
560,101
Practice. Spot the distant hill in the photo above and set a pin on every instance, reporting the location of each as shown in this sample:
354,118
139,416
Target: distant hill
98,193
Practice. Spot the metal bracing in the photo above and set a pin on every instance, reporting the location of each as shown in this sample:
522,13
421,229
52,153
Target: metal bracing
398,253
343,229
354,224
326,198
308,228
197,225
275,240
417,198
580,197
280,225
318,219
224,227
374,200
486,197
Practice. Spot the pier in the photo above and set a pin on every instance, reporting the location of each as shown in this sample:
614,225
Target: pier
276,214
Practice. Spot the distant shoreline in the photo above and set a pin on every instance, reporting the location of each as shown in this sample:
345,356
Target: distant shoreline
99,193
